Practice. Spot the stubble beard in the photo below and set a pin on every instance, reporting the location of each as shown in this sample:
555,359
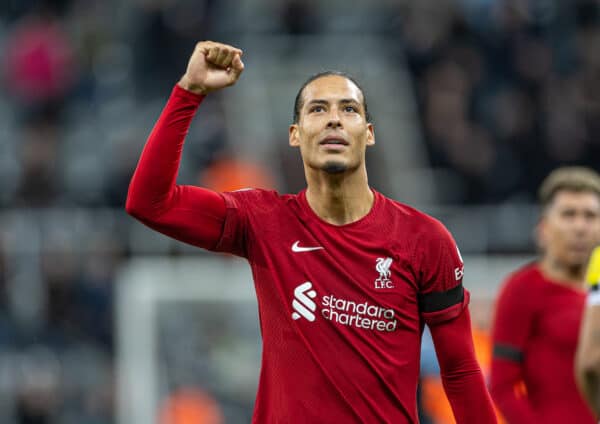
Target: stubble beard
335,167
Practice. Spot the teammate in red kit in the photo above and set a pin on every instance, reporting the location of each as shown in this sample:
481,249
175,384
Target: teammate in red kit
345,277
540,307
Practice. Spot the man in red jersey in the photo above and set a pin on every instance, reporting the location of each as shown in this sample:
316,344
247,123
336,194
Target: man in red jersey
540,307
345,277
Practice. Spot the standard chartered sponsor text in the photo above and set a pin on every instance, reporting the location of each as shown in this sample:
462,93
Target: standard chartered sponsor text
359,315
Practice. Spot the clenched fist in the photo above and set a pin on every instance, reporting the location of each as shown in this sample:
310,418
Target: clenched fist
212,67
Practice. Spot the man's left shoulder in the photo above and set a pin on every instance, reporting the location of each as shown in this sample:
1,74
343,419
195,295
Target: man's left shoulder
419,222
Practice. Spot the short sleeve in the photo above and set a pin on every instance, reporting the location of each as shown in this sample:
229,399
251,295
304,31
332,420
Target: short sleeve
441,293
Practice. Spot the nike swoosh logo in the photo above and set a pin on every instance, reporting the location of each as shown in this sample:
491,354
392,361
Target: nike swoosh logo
297,248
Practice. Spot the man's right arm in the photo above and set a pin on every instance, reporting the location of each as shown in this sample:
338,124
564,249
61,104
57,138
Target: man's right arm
511,329
190,214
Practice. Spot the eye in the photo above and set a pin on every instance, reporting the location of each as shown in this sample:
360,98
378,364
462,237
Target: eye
350,109
316,108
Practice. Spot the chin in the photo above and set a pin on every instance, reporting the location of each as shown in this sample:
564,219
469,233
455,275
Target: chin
335,167
577,261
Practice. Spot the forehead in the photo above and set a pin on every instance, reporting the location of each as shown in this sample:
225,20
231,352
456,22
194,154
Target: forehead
331,88
576,199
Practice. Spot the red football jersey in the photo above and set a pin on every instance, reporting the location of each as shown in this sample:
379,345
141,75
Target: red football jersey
342,308
535,337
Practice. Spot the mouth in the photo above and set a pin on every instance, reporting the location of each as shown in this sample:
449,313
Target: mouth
333,142
580,247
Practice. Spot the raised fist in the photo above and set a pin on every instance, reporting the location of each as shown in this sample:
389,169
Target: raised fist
212,66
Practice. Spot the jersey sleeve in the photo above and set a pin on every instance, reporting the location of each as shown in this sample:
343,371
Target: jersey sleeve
461,374
515,313
513,319
441,293
245,212
190,214
204,218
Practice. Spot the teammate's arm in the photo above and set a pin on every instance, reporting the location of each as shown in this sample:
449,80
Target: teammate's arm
587,359
587,362
191,214
511,329
461,375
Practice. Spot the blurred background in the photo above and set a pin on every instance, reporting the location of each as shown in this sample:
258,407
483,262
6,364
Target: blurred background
103,320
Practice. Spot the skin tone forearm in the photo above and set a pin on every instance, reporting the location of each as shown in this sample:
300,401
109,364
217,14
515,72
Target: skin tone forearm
587,364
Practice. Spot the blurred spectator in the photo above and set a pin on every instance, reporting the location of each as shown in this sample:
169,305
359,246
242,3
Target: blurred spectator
190,406
5,324
39,62
299,17
60,271
39,393
165,34
230,173
94,292
39,148
500,103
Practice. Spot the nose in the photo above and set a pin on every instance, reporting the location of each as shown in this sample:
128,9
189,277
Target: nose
334,120
581,225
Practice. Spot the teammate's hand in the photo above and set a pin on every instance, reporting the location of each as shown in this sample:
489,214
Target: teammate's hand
212,66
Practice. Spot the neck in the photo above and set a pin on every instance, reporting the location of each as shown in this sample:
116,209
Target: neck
569,276
339,198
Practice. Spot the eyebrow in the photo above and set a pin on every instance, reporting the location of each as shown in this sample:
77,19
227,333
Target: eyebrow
326,102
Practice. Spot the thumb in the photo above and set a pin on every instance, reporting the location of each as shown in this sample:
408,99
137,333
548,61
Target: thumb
237,66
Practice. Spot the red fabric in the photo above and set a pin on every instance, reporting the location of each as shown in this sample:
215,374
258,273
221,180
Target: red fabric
461,375
432,318
340,322
373,374
541,319
187,213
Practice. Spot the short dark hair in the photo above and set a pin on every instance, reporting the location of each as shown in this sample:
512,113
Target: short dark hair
299,102
569,178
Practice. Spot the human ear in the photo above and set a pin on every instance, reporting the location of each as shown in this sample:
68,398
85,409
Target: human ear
294,140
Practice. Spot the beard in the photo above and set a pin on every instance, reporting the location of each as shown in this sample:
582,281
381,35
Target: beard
335,167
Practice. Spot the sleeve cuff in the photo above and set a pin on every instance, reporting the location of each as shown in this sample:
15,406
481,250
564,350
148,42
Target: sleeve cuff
181,92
